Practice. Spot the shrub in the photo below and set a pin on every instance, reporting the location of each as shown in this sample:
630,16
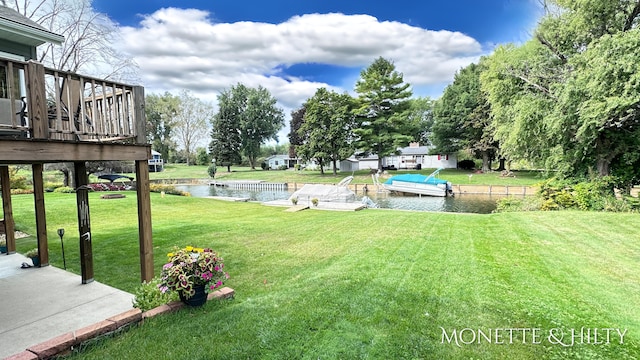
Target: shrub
211,170
17,181
51,186
21,191
296,167
549,205
294,200
612,204
264,165
148,295
283,167
32,253
64,189
564,199
167,189
634,203
202,157
314,201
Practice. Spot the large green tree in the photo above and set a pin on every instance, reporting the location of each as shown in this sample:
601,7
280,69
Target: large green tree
382,112
327,128
420,119
246,119
520,99
462,118
160,111
226,141
261,121
569,97
600,105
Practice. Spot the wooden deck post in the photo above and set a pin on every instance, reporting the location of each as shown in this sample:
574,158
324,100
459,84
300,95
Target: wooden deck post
9,226
37,100
41,218
84,222
144,220
139,116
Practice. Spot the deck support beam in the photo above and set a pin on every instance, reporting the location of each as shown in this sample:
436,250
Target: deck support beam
41,218
9,227
144,220
84,222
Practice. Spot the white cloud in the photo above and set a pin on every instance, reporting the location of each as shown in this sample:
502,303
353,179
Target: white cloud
185,49
176,47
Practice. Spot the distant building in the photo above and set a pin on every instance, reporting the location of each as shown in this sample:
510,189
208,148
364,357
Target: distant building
156,164
413,156
274,162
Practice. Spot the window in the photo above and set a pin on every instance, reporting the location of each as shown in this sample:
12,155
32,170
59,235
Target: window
16,83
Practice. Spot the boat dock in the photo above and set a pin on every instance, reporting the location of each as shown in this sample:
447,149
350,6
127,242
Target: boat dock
322,205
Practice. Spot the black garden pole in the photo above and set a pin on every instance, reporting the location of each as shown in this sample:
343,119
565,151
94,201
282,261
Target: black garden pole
61,234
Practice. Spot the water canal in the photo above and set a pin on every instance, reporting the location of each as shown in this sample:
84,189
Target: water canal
468,203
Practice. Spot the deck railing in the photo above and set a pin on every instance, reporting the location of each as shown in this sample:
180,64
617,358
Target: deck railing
42,103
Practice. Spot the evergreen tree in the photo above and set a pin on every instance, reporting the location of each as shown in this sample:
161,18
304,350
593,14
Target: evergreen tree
382,113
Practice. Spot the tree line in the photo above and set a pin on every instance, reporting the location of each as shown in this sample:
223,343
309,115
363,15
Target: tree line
567,100
330,127
178,125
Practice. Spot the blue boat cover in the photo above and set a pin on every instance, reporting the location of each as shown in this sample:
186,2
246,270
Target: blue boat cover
416,178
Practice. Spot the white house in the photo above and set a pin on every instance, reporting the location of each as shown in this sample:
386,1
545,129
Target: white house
156,164
274,162
415,156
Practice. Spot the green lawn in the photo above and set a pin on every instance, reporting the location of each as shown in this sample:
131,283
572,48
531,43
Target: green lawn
370,284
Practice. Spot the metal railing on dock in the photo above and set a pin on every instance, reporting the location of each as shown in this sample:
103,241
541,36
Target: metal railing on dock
251,185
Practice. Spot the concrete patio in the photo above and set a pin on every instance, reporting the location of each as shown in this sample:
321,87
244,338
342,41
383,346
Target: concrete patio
38,304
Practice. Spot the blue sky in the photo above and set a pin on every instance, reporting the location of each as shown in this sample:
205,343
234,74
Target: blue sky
294,47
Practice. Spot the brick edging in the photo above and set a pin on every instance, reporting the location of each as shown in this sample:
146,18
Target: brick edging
64,343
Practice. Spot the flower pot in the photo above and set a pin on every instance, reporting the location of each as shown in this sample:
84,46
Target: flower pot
3,249
36,260
198,299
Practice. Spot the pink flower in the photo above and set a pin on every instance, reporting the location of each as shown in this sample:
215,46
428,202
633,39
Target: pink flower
207,275
167,265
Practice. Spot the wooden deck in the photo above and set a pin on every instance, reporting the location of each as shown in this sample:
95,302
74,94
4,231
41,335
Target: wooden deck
48,116
51,115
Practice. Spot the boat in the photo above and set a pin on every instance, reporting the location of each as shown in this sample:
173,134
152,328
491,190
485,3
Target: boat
419,184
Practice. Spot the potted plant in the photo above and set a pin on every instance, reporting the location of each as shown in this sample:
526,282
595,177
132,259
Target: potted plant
192,272
3,244
34,256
